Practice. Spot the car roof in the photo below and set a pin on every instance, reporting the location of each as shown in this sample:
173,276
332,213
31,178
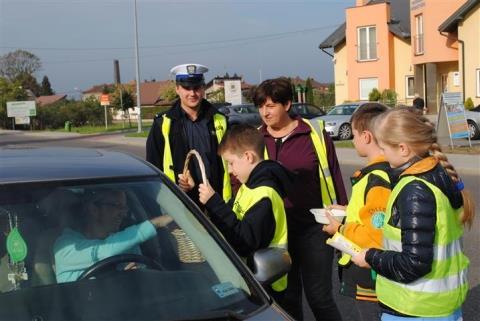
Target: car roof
35,164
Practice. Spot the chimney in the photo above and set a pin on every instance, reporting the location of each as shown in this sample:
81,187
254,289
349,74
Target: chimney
359,3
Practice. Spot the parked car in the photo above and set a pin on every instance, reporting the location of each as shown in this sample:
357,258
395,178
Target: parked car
306,110
186,271
242,114
473,121
337,120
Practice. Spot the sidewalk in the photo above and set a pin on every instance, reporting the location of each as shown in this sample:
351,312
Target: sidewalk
465,164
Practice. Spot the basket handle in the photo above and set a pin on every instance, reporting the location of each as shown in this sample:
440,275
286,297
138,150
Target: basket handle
191,153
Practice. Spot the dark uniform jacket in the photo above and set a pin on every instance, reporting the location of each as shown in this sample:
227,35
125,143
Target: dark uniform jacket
180,146
257,228
414,212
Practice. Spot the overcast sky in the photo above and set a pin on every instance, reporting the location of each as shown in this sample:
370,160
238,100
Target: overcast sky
77,40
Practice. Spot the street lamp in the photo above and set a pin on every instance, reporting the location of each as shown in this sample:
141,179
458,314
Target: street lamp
137,70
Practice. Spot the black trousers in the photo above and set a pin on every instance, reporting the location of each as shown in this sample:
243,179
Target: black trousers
312,270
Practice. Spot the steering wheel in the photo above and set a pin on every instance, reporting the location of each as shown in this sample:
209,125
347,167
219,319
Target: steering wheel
112,261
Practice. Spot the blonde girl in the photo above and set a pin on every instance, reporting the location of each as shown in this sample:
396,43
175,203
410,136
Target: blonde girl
422,271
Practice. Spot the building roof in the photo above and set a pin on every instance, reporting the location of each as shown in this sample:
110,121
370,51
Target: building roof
47,100
452,22
96,89
315,84
150,91
399,23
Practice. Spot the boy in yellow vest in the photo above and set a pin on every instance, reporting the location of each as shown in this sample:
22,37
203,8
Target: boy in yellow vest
365,211
256,218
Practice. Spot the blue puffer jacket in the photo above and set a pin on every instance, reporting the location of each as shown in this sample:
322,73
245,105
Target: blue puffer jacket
414,212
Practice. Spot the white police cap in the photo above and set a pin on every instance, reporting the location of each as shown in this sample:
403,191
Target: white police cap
190,74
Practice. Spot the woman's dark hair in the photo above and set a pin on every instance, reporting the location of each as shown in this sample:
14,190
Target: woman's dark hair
279,90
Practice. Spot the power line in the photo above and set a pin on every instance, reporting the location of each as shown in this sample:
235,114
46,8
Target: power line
203,43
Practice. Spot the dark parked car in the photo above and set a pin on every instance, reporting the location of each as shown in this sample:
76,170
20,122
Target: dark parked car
306,110
242,114
183,271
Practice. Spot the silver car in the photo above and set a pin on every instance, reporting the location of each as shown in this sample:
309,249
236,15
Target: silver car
337,120
473,120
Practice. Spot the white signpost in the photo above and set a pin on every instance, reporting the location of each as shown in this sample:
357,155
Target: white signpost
21,111
233,91
105,101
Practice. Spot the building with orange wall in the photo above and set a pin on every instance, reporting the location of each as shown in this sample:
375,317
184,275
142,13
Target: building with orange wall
372,50
396,45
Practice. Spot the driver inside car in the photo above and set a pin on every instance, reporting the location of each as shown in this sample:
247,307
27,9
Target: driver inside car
97,234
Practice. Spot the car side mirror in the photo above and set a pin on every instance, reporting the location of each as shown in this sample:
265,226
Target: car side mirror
270,264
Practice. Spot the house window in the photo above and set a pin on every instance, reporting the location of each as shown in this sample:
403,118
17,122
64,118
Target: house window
367,43
478,82
409,87
419,45
366,86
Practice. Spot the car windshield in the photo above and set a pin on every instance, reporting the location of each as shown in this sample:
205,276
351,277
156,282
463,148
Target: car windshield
182,272
344,110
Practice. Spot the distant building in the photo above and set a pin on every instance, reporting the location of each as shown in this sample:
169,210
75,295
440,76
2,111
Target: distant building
48,100
410,46
217,85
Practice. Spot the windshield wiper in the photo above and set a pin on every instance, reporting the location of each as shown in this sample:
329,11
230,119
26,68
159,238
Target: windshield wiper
227,315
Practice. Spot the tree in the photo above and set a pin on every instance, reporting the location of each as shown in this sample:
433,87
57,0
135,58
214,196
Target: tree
18,63
127,101
308,92
29,82
9,91
46,88
169,93
374,95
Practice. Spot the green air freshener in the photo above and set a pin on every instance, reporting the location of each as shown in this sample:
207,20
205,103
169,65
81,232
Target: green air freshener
16,246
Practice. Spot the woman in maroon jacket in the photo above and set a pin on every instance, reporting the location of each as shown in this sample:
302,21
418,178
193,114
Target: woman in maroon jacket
288,140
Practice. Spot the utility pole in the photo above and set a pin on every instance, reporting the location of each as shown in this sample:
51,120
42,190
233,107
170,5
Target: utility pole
137,71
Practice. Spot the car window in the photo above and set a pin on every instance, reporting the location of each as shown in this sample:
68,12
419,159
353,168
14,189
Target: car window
314,110
182,264
343,110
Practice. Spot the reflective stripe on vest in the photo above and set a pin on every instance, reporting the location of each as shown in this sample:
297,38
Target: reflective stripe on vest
357,201
327,188
444,288
246,198
220,124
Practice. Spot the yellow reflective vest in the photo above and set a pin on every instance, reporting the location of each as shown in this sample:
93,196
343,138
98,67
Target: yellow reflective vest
248,197
327,188
443,290
220,124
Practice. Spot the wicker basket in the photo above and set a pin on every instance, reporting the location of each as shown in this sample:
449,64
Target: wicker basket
188,252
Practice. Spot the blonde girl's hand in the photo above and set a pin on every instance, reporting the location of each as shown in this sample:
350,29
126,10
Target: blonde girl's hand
360,261
333,226
205,192
186,182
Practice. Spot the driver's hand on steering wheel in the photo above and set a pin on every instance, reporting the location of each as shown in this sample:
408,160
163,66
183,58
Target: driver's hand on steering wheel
161,221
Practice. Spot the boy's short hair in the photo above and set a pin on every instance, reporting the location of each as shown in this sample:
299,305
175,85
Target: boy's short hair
279,90
363,118
241,138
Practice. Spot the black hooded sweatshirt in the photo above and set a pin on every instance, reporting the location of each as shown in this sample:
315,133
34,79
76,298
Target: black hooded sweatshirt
256,230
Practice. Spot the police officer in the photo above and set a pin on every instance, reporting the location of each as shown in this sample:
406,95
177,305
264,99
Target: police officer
191,123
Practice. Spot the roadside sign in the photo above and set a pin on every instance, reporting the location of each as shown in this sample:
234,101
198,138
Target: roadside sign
21,108
22,120
451,118
105,100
